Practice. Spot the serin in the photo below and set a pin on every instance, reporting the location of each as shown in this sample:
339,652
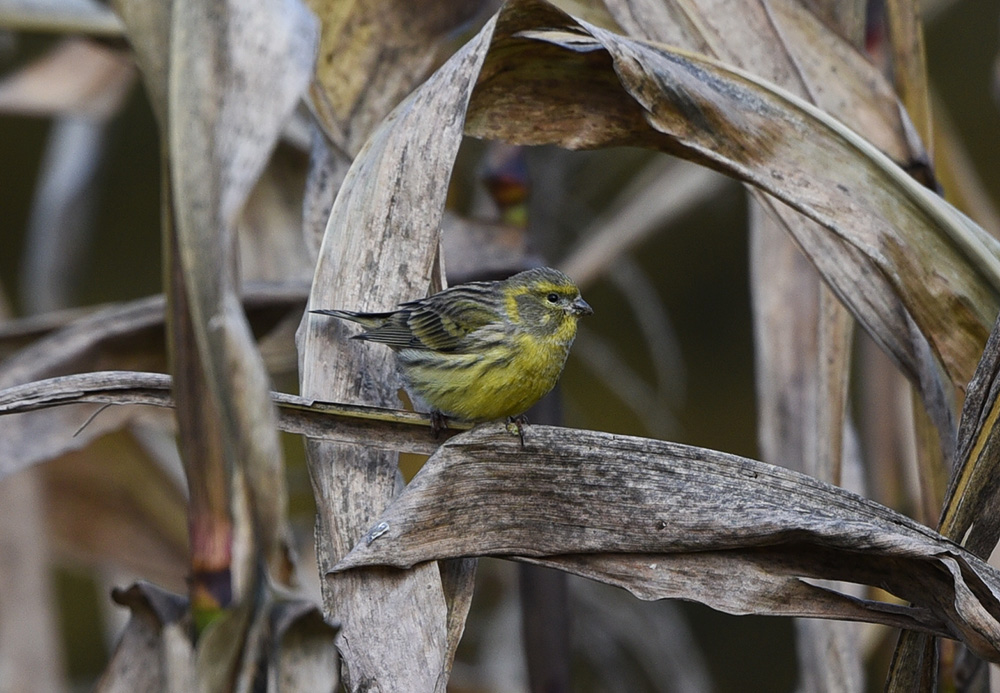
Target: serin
481,351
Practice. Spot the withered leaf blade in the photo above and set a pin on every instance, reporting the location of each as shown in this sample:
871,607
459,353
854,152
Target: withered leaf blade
236,73
380,248
584,492
291,648
374,427
120,336
889,241
787,44
970,512
372,54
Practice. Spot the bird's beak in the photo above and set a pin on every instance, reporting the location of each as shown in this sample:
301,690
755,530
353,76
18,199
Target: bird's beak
581,307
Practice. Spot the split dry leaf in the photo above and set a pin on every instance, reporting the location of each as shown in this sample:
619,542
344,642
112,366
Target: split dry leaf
292,649
667,520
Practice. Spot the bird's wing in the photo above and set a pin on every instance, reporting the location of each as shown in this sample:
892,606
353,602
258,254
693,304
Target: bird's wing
441,322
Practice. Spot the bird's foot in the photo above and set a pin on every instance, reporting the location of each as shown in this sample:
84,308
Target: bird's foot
439,422
519,422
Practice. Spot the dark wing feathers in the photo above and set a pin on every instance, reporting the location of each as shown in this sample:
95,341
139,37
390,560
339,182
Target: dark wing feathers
438,323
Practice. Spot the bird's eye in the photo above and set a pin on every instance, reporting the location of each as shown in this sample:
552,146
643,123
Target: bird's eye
552,298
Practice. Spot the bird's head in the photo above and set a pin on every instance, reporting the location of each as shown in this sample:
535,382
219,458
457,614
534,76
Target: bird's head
544,301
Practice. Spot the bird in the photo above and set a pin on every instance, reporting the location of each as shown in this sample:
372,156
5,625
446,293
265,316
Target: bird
481,351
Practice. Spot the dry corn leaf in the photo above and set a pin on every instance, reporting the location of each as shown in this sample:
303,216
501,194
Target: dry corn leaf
379,249
372,53
667,520
78,77
292,647
66,16
881,232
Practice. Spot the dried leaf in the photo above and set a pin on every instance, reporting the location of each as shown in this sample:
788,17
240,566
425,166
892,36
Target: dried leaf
77,78
381,429
372,54
122,336
29,630
784,43
292,649
909,64
384,226
663,519
66,16
236,74
869,210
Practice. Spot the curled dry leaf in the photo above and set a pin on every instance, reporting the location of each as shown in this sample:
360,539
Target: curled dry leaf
292,649
667,520
886,242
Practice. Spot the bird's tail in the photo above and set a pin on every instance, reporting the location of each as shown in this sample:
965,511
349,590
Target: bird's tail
369,320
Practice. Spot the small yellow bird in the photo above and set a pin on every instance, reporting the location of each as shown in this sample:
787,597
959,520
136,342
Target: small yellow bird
481,351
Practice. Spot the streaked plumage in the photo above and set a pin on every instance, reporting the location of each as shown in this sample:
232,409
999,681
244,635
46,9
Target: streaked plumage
485,350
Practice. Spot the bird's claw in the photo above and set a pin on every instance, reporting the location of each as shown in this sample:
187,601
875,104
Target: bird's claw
439,422
519,422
